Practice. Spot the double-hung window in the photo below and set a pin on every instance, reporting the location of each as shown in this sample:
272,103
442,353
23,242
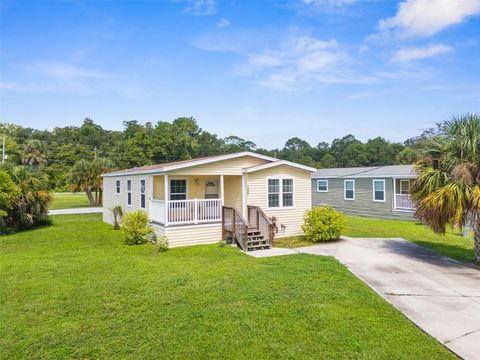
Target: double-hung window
129,192
280,192
379,190
178,189
322,185
142,193
349,189
117,186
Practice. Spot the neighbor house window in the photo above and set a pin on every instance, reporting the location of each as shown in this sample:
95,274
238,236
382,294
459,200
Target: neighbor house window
349,190
404,186
117,186
280,192
142,193
378,190
322,185
178,189
129,192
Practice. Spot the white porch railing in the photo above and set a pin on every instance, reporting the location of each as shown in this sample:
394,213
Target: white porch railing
404,201
193,211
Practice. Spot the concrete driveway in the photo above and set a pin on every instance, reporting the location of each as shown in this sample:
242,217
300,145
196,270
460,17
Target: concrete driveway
440,295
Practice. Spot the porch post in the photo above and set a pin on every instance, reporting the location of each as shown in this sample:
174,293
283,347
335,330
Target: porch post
165,185
394,193
244,195
222,195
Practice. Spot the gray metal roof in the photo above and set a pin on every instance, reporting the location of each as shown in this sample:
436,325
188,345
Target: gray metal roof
407,171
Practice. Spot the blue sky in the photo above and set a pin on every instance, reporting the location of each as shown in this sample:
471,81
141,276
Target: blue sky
262,70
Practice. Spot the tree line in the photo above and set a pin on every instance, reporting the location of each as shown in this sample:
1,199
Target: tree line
55,152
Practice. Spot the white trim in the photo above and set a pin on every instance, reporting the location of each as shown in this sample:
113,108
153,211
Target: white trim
144,193
165,196
345,190
118,189
222,190
280,179
244,195
194,162
322,191
129,192
277,163
361,176
187,226
384,190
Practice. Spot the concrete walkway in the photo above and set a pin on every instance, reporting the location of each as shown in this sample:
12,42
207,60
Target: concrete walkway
440,295
85,210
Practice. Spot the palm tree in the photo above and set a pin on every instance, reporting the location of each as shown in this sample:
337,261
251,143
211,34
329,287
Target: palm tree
34,154
447,190
86,176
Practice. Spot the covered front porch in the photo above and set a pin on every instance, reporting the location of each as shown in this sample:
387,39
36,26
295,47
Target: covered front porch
193,199
401,191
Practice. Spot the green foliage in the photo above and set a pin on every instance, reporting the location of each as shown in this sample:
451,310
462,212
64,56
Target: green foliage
162,243
87,176
135,228
117,214
323,224
8,193
447,190
30,207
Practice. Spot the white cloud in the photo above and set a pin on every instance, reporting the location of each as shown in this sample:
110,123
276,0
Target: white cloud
329,2
414,53
201,7
223,23
297,62
64,71
423,18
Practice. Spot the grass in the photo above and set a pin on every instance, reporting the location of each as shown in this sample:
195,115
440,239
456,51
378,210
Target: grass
452,244
73,290
69,201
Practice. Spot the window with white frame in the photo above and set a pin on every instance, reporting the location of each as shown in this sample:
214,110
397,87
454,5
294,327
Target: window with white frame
142,193
280,192
117,186
322,185
404,187
379,190
349,189
178,189
287,192
129,192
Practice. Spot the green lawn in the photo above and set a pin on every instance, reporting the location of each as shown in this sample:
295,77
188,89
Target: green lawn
452,244
73,290
69,201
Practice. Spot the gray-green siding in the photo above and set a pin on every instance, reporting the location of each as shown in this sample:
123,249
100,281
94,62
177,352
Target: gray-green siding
363,205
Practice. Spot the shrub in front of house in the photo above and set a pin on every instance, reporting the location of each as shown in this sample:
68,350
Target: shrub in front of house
135,228
323,224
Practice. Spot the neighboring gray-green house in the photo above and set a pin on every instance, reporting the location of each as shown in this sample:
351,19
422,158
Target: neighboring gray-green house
379,191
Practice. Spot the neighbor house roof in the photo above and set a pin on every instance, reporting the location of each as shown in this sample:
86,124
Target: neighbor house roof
160,168
407,171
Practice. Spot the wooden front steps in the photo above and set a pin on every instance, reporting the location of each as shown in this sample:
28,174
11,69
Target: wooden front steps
256,240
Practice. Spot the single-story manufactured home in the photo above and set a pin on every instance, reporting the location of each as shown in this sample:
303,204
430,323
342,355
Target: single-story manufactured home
379,192
245,197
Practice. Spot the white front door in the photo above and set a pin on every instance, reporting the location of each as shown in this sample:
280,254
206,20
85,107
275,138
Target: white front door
211,189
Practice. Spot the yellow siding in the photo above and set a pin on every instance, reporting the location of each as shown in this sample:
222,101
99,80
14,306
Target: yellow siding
158,187
233,191
225,167
111,199
292,218
191,235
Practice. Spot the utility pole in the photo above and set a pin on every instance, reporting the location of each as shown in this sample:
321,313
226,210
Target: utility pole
3,149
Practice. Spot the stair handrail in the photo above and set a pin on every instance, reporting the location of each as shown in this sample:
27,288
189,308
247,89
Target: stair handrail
261,216
240,229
